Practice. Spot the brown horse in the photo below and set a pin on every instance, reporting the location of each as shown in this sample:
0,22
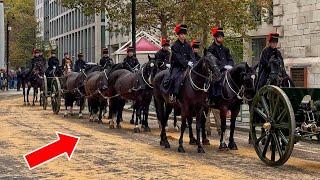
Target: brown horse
136,87
191,100
74,88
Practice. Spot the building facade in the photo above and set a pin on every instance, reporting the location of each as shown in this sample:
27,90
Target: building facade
69,30
299,25
2,36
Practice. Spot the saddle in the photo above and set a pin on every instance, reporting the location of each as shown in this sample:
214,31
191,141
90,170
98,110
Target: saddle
168,81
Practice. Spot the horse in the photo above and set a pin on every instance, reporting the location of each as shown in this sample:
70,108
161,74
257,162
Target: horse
136,87
74,90
96,88
191,99
237,87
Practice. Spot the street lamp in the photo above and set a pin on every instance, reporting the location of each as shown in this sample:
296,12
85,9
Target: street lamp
133,16
10,17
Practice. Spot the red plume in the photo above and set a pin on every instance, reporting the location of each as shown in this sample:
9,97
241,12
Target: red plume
177,28
214,30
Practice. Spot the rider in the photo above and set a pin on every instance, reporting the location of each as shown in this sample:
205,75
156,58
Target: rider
65,57
224,58
163,55
53,63
80,63
195,48
106,61
36,60
269,52
131,60
182,58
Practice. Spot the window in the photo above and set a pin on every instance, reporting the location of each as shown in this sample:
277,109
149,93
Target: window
258,44
299,76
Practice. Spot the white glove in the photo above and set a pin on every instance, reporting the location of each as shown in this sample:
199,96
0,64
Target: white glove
190,63
228,67
168,65
54,67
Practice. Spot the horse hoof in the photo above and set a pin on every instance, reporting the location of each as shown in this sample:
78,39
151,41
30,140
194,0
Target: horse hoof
28,104
24,104
206,142
167,145
201,150
80,116
223,147
147,129
131,121
136,130
181,149
193,141
33,105
118,126
111,126
232,145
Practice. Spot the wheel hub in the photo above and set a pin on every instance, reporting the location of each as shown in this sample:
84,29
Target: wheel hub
267,126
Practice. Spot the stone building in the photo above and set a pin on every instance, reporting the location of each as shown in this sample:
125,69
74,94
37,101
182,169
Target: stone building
298,23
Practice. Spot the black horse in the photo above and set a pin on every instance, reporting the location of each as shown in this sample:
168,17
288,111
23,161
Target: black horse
191,100
237,87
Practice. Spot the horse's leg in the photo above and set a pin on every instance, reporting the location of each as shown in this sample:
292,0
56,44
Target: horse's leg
204,115
234,113
28,91
198,127
183,128
175,120
146,115
81,107
24,95
223,118
138,116
120,111
193,140
101,108
160,108
132,117
34,96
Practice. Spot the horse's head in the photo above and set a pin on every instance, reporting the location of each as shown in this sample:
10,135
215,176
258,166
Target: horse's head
209,61
247,80
150,69
275,70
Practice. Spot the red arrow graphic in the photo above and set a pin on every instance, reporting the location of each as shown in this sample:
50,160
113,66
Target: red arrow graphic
66,144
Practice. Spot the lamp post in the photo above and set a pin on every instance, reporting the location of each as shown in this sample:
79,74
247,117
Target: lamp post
133,16
7,48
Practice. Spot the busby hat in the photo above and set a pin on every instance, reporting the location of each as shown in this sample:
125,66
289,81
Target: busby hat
80,55
130,49
216,32
105,51
195,44
36,51
273,37
165,42
181,29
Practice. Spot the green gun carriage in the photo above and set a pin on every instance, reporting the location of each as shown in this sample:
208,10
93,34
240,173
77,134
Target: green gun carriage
280,117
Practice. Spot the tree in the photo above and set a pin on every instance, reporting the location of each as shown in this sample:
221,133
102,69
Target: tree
23,33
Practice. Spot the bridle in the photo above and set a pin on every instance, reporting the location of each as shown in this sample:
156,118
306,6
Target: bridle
208,79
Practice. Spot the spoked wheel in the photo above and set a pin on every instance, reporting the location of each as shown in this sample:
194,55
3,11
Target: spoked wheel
44,94
56,95
272,125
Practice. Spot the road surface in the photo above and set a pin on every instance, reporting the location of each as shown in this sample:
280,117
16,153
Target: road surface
104,153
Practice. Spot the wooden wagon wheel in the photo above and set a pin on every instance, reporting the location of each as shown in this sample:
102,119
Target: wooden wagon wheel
44,93
56,95
272,125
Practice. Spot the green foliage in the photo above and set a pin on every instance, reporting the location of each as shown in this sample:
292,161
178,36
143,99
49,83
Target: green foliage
20,14
236,48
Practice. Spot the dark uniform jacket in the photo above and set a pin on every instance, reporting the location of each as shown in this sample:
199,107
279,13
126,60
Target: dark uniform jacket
197,56
106,62
163,55
264,69
222,54
37,61
181,54
80,64
132,62
53,61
